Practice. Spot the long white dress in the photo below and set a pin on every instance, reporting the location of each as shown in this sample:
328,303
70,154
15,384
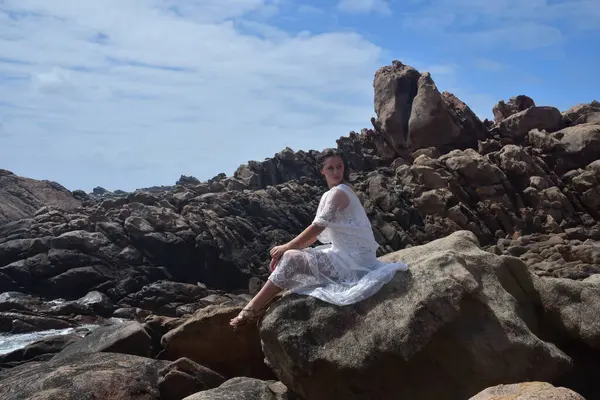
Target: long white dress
345,269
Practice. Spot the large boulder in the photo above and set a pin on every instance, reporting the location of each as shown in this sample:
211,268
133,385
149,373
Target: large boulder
164,297
583,113
412,113
569,148
21,197
571,308
106,376
527,391
472,129
560,255
461,318
40,350
518,125
284,166
243,388
184,377
127,338
430,123
208,339
514,105
395,87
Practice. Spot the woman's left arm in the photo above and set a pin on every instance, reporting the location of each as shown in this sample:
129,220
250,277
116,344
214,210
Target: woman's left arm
305,239
335,203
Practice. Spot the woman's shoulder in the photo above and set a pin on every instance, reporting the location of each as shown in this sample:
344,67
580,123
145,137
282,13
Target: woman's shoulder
346,188
341,190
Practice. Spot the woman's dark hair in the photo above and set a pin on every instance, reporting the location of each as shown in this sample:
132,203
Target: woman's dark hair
327,153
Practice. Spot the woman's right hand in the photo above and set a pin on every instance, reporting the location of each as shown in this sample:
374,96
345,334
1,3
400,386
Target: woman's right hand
276,254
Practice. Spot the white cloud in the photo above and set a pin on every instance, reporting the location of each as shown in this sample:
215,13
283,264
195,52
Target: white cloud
131,94
504,24
364,6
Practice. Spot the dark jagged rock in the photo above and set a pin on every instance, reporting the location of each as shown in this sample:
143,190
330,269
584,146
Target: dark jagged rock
187,180
519,124
126,338
103,375
515,105
22,322
230,353
568,149
395,88
583,113
41,350
20,197
245,388
413,114
183,377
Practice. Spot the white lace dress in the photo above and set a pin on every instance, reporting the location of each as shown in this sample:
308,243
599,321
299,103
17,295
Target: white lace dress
345,269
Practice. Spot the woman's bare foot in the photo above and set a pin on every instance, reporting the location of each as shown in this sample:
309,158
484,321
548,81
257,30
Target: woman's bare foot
257,307
247,315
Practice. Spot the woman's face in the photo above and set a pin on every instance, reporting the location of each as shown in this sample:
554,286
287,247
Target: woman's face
333,170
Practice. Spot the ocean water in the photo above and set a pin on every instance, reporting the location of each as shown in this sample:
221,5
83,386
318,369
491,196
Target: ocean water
11,342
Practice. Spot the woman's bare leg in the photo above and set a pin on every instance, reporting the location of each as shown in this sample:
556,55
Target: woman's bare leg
258,302
294,262
266,294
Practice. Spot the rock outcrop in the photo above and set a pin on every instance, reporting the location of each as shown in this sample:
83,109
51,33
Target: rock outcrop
230,353
527,391
245,388
569,148
460,318
21,197
107,376
583,113
514,105
518,125
412,113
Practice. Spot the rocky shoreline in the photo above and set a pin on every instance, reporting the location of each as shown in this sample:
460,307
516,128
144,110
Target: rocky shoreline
499,221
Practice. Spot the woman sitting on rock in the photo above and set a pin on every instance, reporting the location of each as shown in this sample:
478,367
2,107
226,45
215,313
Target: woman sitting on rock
342,271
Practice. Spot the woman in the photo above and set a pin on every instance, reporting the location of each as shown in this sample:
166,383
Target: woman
342,271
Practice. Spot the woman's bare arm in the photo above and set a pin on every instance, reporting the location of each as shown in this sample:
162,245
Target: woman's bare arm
306,238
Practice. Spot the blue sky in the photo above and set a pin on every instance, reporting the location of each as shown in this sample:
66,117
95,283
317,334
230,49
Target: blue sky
129,94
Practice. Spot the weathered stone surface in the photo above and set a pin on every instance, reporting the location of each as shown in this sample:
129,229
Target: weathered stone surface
40,350
571,308
107,376
228,352
514,105
527,391
21,197
395,88
583,113
183,377
570,148
127,338
18,322
164,297
452,319
430,123
245,389
518,125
